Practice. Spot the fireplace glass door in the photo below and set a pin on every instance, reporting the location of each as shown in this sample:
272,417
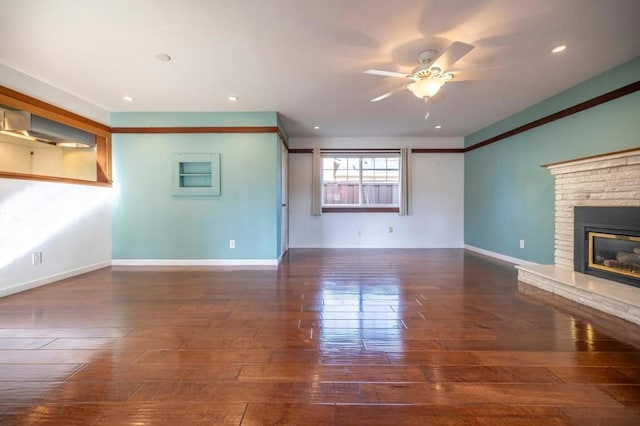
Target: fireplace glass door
615,253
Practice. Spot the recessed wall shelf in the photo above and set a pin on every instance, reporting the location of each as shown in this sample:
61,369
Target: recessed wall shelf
196,174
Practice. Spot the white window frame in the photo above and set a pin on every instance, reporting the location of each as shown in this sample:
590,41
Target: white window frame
361,182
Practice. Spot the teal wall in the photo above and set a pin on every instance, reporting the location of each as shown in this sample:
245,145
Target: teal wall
193,119
509,197
148,222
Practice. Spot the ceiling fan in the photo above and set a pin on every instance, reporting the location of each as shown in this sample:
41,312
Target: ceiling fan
430,75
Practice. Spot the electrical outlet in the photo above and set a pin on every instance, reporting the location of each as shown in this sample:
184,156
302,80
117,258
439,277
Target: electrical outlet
521,244
391,229
232,244
36,258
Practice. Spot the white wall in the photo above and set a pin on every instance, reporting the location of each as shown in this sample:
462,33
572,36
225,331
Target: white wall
69,224
28,85
437,186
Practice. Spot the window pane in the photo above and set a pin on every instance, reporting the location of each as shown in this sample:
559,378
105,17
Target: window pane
327,176
327,163
380,194
341,193
381,163
336,168
393,163
381,175
367,163
353,175
367,175
340,163
354,164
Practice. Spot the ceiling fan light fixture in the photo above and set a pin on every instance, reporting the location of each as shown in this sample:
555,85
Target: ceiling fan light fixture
431,73
426,87
430,82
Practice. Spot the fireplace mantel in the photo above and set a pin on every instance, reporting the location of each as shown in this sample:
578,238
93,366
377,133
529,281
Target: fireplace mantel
612,180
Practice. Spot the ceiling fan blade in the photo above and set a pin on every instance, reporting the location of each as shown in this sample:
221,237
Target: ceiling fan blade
453,54
381,97
388,73
386,95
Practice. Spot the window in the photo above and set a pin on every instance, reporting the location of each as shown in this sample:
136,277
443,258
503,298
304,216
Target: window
64,152
348,181
39,141
360,181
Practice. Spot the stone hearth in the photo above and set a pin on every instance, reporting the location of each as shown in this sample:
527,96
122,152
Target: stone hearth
606,180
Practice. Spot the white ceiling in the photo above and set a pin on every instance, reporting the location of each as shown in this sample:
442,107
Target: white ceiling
305,58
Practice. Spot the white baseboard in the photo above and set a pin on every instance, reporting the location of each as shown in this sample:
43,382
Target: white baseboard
367,246
495,255
194,262
53,278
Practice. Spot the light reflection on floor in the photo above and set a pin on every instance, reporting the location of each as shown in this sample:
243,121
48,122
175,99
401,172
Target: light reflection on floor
353,312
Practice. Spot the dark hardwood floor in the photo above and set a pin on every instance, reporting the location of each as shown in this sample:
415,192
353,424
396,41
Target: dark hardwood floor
335,337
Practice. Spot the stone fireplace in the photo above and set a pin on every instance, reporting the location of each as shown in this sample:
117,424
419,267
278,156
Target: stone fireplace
594,265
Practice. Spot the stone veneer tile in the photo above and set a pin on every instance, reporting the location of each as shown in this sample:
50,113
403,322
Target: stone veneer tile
604,181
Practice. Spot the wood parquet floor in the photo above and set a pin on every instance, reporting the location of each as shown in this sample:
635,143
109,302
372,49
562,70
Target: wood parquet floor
331,337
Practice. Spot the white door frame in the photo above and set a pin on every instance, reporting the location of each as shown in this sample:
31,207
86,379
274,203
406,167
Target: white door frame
284,217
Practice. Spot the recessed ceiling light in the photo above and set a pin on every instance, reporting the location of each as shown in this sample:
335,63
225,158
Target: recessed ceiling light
558,49
316,127
163,57
233,98
438,127
127,98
